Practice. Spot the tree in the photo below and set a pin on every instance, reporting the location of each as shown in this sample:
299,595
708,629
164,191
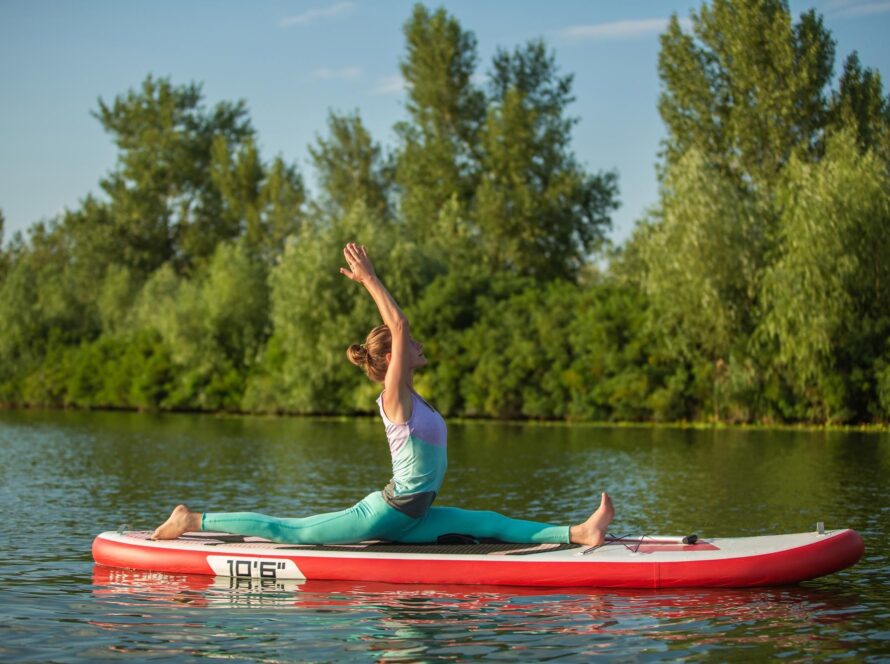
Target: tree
350,168
538,213
264,202
214,324
860,103
281,202
437,166
4,258
165,205
704,260
747,89
827,297
746,106
43,298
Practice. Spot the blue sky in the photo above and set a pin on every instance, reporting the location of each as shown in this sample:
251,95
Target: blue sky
292,61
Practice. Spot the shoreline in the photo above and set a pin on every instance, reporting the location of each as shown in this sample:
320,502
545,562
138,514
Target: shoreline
682,425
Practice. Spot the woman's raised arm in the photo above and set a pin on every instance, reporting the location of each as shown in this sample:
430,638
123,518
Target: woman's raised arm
397,389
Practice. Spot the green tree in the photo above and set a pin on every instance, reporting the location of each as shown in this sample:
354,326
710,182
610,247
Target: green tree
95,249
351,169
538,213
437,165
236,294
214,325
745,99
704,260
282,198
115,299
165,205
827,297
747,88
860,103
264,203
4,257
444,319
519,353
40,302
615,372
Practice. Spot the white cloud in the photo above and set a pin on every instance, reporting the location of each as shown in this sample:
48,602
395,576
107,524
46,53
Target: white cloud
320,12
619,29
861,8
389,86
347,73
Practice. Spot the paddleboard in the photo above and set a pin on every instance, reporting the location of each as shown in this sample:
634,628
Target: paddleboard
626,562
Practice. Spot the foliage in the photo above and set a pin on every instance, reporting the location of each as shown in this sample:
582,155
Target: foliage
747,88
538,213
827,298
166,207
316,313
755,289
351,169
860,104
437,164
704,260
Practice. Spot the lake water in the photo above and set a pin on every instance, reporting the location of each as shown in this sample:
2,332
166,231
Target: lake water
64,477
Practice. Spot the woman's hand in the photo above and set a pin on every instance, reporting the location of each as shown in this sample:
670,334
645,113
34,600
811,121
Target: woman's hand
360,267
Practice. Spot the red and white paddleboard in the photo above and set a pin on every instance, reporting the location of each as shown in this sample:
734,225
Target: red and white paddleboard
641,562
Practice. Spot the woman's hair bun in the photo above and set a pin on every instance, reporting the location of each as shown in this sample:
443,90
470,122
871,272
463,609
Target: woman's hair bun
371,355
357,354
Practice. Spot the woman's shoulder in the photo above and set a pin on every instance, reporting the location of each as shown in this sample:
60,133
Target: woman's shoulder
415,398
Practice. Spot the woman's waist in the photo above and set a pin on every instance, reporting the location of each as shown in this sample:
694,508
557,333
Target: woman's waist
414,503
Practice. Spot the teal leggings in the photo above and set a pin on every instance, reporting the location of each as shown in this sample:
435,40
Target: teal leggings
373,518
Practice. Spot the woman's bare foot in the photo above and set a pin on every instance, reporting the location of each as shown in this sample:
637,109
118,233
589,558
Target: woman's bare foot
593,531
182,520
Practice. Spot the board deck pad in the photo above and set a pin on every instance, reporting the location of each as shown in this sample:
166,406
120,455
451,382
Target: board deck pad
471,549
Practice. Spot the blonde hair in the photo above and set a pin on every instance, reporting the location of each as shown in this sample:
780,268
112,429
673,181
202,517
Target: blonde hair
371,355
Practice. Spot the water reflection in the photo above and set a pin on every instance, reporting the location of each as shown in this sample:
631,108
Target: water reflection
411,621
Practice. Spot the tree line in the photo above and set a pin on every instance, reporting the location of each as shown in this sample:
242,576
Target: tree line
756,288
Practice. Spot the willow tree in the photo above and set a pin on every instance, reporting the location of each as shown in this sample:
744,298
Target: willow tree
747,107
827,297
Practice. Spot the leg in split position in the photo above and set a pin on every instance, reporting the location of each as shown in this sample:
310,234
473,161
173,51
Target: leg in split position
370,518
440,521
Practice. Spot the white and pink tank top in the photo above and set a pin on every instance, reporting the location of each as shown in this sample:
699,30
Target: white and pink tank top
419,450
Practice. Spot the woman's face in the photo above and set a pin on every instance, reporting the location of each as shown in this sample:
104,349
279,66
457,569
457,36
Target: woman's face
417,358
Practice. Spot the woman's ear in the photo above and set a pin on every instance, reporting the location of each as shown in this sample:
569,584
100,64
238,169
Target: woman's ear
388,358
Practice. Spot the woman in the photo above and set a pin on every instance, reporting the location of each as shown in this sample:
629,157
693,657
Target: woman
417,435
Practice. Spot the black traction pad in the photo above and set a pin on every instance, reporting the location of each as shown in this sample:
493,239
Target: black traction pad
483,548
507,548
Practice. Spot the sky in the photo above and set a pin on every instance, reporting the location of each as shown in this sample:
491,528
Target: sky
295,61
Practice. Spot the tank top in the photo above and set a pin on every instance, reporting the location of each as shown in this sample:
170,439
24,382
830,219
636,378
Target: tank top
419,450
